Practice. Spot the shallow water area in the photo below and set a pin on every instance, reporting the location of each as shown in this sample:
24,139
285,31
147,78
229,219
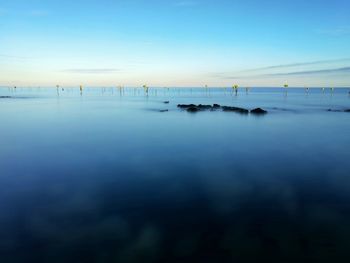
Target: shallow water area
107,175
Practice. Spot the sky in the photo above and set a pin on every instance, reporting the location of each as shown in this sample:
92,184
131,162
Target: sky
175,43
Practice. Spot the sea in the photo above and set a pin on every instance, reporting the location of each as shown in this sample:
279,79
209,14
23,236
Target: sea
122,174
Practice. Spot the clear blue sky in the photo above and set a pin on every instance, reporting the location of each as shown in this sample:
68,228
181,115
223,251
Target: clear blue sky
175,42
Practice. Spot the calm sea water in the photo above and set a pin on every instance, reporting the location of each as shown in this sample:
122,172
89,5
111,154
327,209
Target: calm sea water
103,176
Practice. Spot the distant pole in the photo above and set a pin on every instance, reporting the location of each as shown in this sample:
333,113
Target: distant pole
58,86
286,87
235,87
145,87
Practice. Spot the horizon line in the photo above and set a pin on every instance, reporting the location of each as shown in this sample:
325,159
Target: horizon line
170,87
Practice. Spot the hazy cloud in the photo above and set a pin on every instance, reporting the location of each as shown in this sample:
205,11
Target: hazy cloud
3,11
12,57
336,32
92,71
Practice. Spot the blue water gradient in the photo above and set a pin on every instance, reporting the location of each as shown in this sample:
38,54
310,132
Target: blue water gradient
104,176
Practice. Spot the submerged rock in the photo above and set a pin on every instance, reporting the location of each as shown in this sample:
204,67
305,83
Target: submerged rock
205,107
235,109
185,106
163,110
5,97
258,111
193,109
166,102
201,107
331,110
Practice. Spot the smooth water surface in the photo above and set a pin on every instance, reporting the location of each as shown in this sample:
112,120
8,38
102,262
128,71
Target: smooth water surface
104,176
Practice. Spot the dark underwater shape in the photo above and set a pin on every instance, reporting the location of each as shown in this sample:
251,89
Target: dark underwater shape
192,109
204,107
258,111
235,109
346,110
201,107
185,106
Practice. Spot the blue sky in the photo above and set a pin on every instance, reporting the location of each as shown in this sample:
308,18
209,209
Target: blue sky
175,43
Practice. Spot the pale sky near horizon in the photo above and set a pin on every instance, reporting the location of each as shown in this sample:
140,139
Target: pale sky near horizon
175,42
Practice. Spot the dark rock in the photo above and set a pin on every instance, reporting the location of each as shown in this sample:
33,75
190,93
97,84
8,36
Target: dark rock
204,107
185,106
235,109
5,97
258,111
163,110
193,109
200,107
347,110
166,102
330,110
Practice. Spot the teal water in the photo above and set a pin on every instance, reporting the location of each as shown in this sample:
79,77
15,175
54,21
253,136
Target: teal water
104,176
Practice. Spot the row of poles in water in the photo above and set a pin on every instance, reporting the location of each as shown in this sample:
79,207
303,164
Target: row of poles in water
146,89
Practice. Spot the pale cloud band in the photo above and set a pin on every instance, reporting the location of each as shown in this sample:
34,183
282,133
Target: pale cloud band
322,67
92,71
320,62
314,72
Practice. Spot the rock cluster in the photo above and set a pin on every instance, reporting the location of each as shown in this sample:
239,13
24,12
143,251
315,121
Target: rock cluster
346,110
200,107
